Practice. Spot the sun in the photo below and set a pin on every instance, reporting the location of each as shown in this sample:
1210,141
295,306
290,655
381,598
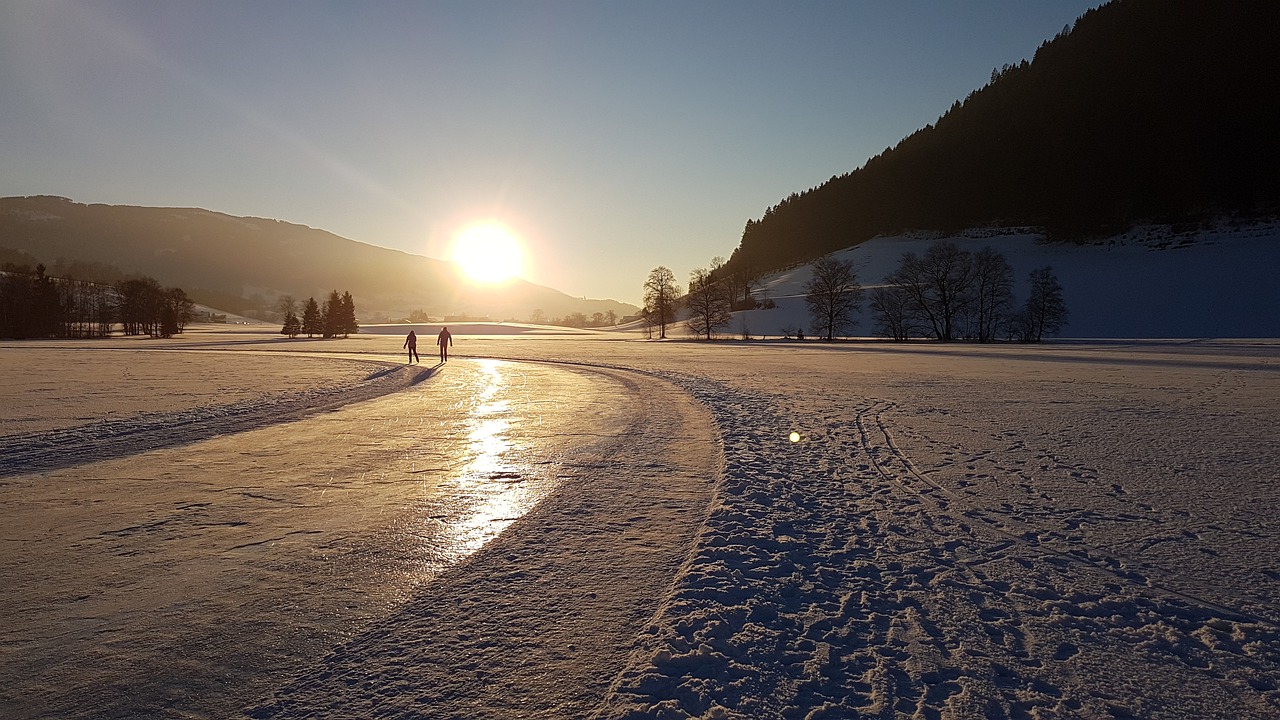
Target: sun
488,252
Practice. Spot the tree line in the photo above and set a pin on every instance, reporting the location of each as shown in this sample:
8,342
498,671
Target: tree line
34,304
608,318
337,316
1144,111
952,294
946,294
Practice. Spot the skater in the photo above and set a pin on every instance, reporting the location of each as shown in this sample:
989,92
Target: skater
411,342
444,341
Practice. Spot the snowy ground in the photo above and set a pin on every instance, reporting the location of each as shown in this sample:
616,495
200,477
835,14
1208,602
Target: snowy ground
1070,530
1153,282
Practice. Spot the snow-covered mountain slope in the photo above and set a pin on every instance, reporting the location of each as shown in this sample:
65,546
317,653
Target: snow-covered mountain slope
1150,283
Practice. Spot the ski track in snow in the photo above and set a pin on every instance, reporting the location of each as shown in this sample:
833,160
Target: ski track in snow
834,579
118,437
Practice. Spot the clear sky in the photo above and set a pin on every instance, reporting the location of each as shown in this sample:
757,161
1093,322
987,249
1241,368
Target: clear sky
612,136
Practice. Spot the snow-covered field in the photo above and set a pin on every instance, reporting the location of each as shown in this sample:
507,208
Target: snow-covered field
1153,282
595,526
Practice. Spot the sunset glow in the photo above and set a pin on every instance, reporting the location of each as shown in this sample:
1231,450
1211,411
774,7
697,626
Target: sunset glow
488,252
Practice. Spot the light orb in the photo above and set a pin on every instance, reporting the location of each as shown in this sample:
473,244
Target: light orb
488,252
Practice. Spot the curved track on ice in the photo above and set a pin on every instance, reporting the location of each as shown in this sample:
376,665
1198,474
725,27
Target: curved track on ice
541,621
191,562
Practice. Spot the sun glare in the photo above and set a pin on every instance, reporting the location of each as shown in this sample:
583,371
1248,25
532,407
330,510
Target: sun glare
488,252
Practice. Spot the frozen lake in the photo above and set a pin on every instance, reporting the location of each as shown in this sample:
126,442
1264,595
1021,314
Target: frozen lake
1068,530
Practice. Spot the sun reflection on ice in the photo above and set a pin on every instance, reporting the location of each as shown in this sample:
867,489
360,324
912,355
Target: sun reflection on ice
489,442
493,489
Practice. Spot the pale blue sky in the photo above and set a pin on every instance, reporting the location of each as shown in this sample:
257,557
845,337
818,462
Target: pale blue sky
613,136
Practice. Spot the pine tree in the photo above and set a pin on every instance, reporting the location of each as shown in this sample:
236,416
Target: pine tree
349,325
332,313
312,322
292,326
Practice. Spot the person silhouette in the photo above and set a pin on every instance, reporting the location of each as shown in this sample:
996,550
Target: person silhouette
444,340
411,342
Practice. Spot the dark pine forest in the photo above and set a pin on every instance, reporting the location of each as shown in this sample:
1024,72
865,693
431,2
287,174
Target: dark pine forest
1143,111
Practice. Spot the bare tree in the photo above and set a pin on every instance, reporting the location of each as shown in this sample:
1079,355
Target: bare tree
661,297
992,293
286,305
939,286
183,307
708,303
894,318
743,280
833,296
1045,311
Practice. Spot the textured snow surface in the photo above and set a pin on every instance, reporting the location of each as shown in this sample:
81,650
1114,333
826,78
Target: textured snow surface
844,576
1069,530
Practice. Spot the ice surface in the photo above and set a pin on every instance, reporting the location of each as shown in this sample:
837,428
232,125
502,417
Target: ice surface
1067,530
193,577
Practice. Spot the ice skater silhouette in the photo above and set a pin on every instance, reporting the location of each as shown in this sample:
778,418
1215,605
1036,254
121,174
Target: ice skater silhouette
444,340
411,342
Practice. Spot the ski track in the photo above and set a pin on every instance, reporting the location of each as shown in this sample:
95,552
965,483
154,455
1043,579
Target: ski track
835,579
120,437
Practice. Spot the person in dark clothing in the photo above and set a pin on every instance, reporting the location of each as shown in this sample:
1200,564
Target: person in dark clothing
411,342
444,340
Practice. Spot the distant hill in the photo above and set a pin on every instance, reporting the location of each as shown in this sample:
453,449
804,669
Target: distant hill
1144,111
238,263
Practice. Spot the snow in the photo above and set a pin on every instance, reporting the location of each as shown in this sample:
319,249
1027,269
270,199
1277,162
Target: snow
593,525
1154,282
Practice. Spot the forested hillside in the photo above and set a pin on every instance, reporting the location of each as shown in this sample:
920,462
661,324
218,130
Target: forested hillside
1145,110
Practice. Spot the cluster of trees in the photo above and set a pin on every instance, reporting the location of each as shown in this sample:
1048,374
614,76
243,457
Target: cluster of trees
714,293
29,303
577,319
947,293
1145,110
34,304
146,308
337,316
